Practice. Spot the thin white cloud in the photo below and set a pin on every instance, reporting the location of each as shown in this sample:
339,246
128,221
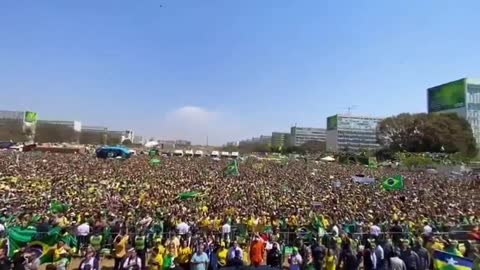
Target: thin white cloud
196,123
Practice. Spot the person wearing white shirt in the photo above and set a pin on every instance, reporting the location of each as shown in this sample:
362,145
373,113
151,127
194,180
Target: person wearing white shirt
226,230
183,228
132,260
83,230
231,252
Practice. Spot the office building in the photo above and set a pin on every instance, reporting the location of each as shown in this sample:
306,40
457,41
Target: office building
235,143
347,133
301,135
461,97
183,144
18,126
166,144
93,135
49,131
280,139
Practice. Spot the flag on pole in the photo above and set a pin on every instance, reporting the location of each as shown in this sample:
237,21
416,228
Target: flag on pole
232,169
393,183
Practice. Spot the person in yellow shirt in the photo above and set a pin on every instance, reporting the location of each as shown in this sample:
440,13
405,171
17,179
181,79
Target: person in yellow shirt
161,248
155,261
59,249
184,255
120,245
330,260
222,255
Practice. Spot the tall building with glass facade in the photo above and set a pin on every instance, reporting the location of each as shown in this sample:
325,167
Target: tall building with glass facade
301,135
461,97
280,139
347,133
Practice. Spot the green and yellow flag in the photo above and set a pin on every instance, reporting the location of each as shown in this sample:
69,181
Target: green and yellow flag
447,261
393,183
232,169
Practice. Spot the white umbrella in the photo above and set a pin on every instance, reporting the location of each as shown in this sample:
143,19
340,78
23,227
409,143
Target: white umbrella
327,159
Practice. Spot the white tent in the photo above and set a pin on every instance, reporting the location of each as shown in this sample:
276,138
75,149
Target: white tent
329,159
151,144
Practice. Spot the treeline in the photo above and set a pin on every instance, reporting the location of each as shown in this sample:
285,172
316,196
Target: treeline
434,133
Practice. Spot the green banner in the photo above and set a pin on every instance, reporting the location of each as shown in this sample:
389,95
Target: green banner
447,96
31,117
332,122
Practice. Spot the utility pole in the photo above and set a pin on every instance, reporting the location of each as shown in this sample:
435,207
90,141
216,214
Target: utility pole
207,140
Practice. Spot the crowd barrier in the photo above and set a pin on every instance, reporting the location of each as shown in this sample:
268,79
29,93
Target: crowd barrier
285,238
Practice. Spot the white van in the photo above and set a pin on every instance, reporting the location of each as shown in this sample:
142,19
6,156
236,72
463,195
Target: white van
178,153
215,154
189,153
225,154
235,155
199,153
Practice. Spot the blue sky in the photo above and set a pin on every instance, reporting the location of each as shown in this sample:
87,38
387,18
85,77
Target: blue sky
229,69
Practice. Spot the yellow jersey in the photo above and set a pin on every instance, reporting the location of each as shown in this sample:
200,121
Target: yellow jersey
184,255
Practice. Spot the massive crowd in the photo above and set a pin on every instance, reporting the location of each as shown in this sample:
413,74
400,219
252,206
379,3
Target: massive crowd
133,197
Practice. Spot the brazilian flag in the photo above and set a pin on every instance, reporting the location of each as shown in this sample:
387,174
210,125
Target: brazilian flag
393,183
232,169
447,261
42,243
188,195
155,162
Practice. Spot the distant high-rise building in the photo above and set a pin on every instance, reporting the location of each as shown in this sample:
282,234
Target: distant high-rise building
280,139
461,97
235,143
351,133
18,126
183,144
301,135
49,131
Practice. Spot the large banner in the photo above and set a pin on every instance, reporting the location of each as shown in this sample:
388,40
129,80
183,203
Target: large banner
30,123
447,96
332,122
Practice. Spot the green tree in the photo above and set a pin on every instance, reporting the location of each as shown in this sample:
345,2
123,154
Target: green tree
436,133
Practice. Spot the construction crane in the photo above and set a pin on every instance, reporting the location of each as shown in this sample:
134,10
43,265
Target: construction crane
350,108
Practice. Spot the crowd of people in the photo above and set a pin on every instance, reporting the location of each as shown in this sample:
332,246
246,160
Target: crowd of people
150,225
